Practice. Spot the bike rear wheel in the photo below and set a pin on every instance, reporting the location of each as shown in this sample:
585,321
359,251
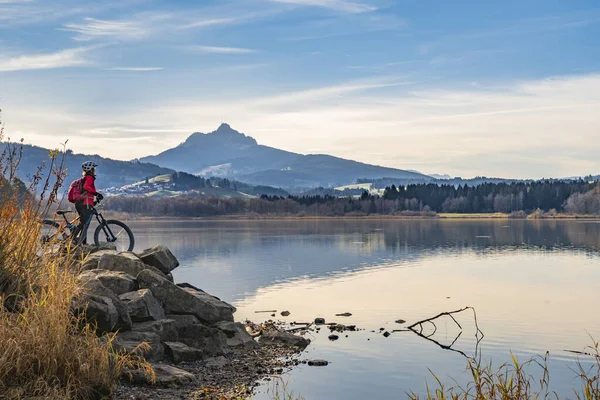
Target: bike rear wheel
116,232
49,233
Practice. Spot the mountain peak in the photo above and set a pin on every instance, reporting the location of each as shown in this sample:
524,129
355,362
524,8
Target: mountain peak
225,128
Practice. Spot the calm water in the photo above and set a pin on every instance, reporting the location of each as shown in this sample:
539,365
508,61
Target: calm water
534,286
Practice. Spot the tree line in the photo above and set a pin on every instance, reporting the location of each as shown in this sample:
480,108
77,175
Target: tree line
419,199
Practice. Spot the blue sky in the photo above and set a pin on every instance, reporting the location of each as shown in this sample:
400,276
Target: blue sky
508,88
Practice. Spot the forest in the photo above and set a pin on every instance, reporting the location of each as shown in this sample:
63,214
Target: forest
517,199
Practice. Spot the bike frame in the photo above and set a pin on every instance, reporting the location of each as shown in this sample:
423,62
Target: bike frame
110,236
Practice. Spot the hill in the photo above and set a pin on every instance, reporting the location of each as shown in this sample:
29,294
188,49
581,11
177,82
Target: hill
231,154
110,172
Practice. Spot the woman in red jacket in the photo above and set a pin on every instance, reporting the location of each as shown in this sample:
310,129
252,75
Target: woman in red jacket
85,206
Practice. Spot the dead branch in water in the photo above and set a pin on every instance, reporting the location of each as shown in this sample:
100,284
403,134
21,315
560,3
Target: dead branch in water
417,328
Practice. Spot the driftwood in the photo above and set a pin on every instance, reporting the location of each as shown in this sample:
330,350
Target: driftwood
417,328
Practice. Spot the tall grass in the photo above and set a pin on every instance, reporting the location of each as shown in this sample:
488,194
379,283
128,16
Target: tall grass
515,381
46,352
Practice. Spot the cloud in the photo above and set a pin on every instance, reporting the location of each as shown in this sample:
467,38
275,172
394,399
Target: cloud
60,59
135,69
220,50
134,29
337,5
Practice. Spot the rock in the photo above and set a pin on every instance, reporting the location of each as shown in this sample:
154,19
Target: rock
164,328
333,337
226,310
142,306
98,310
346,314
319,321
92,286
91,261
180,352
318,363
400,321
386,334
216,362
236,334
283,339
161,258
116,281
285,313
125,262
211,341
176,300
182,321
166,376
337,328
350,328
169,277
129,341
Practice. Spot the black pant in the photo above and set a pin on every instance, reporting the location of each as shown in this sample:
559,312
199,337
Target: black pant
85,212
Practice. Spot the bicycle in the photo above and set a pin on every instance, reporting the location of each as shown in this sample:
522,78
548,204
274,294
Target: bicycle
61,233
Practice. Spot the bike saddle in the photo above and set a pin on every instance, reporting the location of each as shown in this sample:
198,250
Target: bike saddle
63,212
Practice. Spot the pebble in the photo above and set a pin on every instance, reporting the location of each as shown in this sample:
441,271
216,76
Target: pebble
333,337
386,334
400,321
346,314
285,313
320,321
318,363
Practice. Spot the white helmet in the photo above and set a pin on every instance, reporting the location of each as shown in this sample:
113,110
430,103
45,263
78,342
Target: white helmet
88,166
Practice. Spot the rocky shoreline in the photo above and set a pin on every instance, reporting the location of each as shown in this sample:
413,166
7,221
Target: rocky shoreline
195,347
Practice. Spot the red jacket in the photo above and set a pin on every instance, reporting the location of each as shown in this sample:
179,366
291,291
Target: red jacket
89,190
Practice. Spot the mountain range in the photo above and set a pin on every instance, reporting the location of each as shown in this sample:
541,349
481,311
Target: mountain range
233,155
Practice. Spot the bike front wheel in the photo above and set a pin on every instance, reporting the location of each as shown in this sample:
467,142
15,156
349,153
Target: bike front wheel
115,232
50,233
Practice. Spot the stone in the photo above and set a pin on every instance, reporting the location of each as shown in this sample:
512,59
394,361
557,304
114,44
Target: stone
125,262
346,314
386,334
180,352
98,310
333,337
91,260
400,321
318,363
142,306
225,309
166,376
92,286
129,342
182,321
285,313
116,281
337,328
236,334
283,339
176,300
212,341
216,362
164,328
319,321
159,257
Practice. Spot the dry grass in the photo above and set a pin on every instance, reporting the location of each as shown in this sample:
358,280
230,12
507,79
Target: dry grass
513,381
45,351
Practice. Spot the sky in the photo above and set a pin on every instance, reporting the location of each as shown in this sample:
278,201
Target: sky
466,87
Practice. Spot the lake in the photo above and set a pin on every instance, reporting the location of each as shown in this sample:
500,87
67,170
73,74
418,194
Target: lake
533,284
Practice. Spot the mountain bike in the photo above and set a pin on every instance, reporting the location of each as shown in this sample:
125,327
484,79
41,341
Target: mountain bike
107,231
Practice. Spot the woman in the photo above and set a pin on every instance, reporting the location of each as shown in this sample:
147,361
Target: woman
85,205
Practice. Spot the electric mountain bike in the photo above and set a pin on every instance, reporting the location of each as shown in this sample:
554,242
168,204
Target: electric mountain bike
107,231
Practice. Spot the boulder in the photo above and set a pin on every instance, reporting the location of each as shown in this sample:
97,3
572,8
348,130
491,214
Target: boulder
176,300
94,289
283,339
211,341
180,352
116,281
165,328
160,257
142,306
98,310
129,342
236,334
226,310
91,260
166,376
124,262
182,321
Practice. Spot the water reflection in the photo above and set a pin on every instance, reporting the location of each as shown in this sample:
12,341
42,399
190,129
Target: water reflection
533,284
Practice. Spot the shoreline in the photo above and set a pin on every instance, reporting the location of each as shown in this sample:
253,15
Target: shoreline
438,217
